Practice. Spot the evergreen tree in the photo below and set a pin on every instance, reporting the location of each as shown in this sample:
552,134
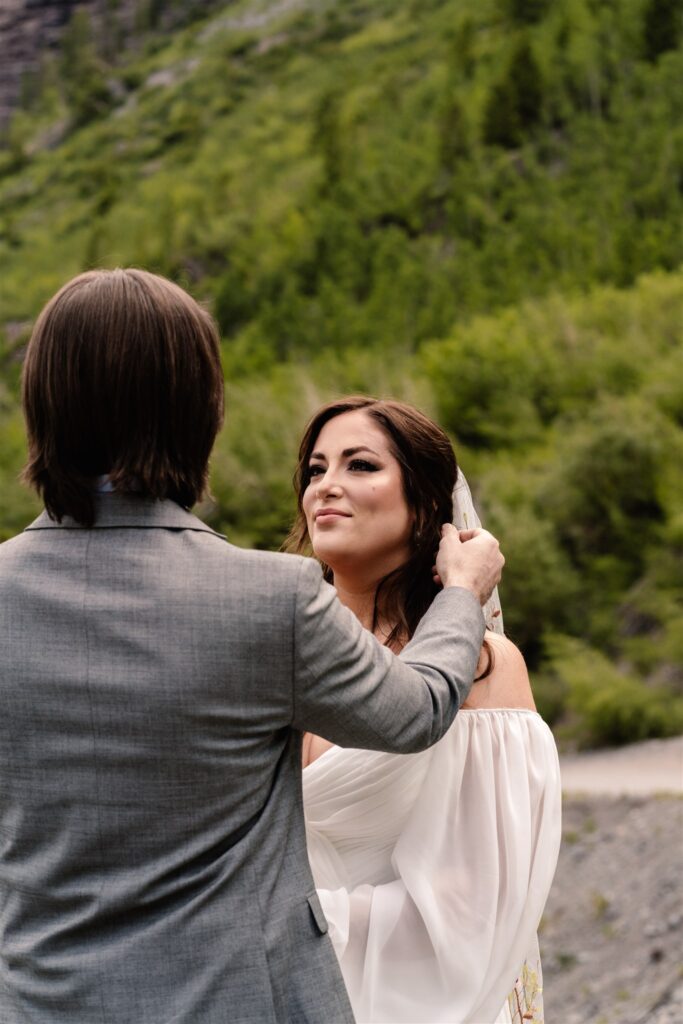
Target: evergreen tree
31,88
452,133
515,103
663,25
233,306
82,72
527,83
462,56
112,35
149,13
327,138
501,118
525,12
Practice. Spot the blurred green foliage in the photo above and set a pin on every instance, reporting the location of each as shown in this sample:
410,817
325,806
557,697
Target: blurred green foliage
606,704
473,207
567,415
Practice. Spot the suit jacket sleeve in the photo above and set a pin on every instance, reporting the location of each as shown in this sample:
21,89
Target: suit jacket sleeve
354,692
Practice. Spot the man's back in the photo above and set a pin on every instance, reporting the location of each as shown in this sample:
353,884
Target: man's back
153,861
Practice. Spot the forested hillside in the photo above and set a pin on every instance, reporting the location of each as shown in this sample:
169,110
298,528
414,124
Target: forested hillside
478,207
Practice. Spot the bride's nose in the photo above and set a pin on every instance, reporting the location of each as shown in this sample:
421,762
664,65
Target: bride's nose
328,485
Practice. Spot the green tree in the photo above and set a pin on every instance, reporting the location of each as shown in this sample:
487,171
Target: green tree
527,81
327,138
515,103
31,88
112,34
609,705
234,303
501,118
453,133
662,26
462,49
525,12
603,493
83,72
149,14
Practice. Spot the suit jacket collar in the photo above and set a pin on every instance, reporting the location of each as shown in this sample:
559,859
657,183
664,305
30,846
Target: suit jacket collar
130,511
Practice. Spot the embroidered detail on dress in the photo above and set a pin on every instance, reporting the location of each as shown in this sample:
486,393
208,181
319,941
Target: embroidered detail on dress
526,999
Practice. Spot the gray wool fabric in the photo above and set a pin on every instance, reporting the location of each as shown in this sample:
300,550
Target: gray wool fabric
155,682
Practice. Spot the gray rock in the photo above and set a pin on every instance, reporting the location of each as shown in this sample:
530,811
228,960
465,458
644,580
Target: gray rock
30,29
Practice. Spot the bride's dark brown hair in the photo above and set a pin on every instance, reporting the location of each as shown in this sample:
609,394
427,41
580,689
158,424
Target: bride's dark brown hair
428,470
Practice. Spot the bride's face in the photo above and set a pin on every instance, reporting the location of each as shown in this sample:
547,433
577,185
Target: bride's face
357,516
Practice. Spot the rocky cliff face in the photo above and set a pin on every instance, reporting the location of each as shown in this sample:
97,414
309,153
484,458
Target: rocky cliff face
31,28
28,29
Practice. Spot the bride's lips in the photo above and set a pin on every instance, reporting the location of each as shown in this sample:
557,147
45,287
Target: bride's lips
329,514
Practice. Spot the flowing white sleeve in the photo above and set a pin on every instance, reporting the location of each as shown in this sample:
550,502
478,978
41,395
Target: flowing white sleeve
440,932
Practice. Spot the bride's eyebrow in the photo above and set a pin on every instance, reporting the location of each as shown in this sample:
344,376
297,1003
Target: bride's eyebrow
347,453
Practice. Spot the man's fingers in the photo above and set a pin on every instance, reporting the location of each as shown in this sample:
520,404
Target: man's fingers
468,534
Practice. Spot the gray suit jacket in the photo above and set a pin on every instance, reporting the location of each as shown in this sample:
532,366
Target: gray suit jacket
154,683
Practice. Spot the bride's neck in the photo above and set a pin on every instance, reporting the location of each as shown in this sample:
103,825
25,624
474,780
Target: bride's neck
359,596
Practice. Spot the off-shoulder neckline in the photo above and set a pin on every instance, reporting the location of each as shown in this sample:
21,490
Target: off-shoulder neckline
463,711
498,711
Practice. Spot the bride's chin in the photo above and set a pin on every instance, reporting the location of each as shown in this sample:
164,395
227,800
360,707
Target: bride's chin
338,561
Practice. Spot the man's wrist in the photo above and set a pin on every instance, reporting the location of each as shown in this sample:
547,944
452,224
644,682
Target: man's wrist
463,581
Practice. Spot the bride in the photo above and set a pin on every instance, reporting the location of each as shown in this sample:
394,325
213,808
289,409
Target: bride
433,869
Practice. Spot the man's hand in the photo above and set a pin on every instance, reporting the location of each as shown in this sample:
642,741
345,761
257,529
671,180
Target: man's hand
469,559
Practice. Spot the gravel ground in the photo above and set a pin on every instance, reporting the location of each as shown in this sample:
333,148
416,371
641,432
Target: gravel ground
670,1010
612,934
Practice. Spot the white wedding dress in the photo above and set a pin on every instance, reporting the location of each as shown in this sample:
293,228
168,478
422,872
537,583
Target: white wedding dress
433,869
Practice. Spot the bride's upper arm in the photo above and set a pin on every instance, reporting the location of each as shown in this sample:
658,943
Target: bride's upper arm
507,685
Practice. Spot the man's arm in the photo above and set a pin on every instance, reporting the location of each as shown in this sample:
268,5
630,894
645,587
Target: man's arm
353,691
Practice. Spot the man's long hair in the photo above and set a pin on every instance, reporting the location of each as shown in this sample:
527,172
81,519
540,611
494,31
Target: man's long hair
122,377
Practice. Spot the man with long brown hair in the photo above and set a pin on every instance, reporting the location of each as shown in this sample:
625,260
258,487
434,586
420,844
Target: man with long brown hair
155,683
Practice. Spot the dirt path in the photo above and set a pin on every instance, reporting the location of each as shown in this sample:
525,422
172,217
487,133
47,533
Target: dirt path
655,766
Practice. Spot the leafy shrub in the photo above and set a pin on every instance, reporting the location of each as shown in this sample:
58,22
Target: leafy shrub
540,589
608,705
550,696
484,381
602,491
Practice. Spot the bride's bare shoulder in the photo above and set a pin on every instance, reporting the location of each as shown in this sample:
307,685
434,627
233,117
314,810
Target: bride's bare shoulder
507,684
312,747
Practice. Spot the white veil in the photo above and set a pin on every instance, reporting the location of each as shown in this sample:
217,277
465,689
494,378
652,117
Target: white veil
465,518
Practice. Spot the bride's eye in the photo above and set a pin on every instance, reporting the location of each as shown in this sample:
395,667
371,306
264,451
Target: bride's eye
362,466
315,471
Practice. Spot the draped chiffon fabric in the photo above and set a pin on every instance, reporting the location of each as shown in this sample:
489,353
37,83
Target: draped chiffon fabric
433,869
